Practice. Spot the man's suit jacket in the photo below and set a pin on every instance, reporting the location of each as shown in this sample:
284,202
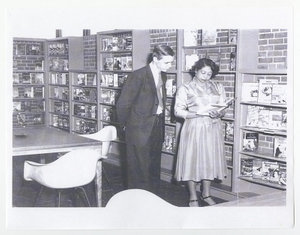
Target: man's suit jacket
137,105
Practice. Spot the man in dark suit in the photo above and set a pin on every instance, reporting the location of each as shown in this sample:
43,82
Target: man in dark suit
140,110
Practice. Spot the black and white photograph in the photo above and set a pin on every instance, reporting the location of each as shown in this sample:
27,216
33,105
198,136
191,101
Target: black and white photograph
118,119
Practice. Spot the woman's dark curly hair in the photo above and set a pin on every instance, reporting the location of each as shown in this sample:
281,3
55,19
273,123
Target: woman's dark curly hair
206,62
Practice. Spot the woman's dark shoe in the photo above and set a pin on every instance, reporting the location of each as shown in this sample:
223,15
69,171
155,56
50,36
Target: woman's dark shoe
193,203
207,201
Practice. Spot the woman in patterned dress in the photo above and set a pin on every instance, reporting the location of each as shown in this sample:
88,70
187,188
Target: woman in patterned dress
201,155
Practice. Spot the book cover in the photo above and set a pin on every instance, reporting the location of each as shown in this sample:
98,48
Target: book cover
27,106
28,92
215,57
263,118
15,92
168,111
106,44
252,116
81,79
268,169
215,107
265,88
209,36
284,120
279,147
282,174
229,131
274,173
17,106
190,37
275,121
39,65
121,79
58,107
38,92
108,63
246,166
190,61
250,92
250,141
169,141
232,64
129,65
257,169
265,174
16,78
116,80
103,81
123,63
64,78
37,118
279,94
232,36
37,78
117,63
170,87
26,79
110,80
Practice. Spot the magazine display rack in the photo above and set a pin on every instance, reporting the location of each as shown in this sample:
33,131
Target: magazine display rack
63,56
84,101
266,120
119,52
28,82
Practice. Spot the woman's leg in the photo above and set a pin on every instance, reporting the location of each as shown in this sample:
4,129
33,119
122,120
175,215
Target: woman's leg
205,193
193,195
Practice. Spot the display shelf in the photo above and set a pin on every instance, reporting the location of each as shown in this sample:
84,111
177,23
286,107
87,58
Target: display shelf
225,54
263,182
265,131
261,118
263,155
119,52
63,55
225,44
281,106
28,81
84,101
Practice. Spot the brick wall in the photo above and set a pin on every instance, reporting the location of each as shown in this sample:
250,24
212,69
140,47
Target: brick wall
90,52
272,48
165,37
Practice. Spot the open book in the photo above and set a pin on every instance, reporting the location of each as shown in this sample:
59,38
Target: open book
217,107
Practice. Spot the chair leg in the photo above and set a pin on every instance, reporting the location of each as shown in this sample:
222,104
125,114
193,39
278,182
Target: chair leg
38,196
59,196
86,197
107,180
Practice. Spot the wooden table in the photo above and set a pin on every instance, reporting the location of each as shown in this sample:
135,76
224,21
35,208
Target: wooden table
43,140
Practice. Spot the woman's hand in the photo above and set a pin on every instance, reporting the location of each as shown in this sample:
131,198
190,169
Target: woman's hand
215,114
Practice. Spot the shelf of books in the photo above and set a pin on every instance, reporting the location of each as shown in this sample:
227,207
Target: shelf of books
63,56
84,102
28,82
219,45
119,53
263,131
169,144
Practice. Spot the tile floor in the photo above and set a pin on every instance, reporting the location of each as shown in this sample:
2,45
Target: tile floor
25,192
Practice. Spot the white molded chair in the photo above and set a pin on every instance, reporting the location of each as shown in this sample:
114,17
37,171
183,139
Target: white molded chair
105,135
72,170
